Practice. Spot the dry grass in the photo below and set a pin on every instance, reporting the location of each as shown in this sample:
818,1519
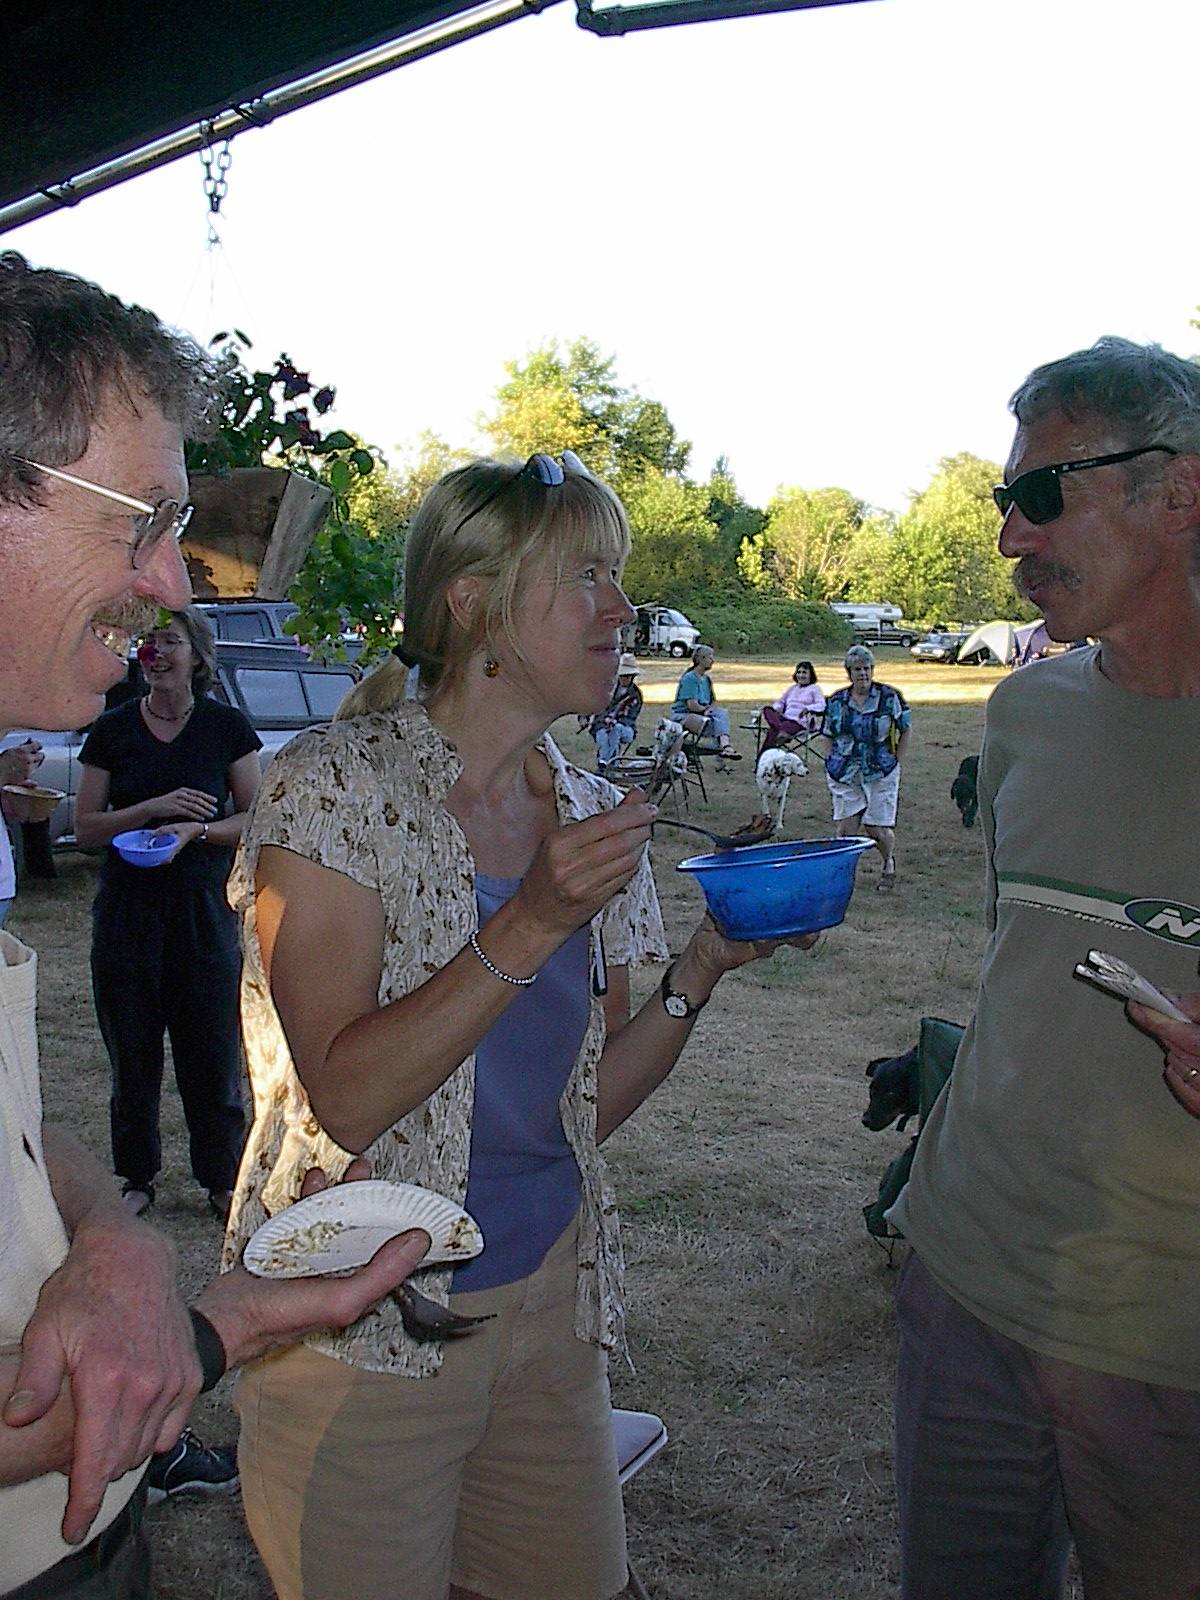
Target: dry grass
759,1307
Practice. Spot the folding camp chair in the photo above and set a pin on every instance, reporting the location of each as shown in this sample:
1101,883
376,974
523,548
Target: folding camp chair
800,742
638,1436
937,1045
668,773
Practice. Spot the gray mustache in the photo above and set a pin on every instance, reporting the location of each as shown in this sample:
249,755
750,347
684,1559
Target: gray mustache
1032,571
134,616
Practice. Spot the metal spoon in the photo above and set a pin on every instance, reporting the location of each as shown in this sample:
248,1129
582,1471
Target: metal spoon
425,1320
755,831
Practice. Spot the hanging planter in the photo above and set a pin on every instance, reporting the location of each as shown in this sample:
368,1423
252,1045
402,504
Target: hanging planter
251,531
254,524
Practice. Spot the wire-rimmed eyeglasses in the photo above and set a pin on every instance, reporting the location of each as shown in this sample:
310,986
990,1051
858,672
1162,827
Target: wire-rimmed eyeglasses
154,523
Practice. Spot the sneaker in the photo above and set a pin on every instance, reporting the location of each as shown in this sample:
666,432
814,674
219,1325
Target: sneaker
192,1467
138,1197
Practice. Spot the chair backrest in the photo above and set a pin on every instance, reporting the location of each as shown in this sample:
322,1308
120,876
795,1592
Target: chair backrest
937,1047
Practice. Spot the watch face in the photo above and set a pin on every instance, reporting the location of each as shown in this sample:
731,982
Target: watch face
676,1005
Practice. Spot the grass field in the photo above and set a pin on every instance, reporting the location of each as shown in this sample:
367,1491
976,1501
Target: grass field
758,1306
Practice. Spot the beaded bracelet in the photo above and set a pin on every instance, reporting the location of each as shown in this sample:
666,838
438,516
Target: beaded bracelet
505,977
209,1350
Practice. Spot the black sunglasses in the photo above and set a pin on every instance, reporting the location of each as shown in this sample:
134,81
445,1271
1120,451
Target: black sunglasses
1037,495
542,469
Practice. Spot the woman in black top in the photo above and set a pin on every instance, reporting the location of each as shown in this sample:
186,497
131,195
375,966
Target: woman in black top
165,954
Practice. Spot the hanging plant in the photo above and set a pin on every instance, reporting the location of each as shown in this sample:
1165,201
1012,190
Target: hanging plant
271,418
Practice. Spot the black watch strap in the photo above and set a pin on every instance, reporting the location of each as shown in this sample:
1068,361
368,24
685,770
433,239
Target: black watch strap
209,1349
675,1004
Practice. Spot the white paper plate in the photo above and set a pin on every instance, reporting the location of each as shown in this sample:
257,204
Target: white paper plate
344,1225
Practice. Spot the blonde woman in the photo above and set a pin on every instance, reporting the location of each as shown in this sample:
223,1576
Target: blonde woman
439,917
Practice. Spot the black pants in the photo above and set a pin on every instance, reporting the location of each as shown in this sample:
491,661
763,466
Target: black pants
115,1565
166,959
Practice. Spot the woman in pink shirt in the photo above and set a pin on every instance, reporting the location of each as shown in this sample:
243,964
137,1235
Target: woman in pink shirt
798,709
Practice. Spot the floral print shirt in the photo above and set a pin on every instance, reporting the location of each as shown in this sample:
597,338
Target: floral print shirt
863,738
365,797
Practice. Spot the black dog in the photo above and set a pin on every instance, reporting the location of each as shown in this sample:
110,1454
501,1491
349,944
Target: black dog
895,1091
964,791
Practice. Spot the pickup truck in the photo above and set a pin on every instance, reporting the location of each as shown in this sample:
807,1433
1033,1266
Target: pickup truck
280,690
901,633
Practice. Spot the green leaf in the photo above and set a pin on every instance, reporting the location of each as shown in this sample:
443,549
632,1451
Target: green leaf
339,440
364,461
341,478
342,547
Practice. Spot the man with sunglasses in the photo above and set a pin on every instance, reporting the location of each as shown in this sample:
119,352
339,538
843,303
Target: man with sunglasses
100,1358
1049,1381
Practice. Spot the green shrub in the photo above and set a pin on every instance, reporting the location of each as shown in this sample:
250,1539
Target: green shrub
759,625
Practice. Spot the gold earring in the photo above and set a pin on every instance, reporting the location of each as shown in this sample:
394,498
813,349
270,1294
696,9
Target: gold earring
490,668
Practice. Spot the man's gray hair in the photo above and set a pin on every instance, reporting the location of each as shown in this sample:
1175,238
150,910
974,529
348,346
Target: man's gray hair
858,653
1139,394
65,346
702,650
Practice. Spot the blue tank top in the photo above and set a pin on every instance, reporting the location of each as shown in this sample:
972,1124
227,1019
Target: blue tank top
523,1181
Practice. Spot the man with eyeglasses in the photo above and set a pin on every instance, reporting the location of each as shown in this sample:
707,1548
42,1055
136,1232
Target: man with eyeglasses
100,1358
1049,1381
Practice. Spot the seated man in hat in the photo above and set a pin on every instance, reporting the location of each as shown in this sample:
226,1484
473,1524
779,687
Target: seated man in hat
615,726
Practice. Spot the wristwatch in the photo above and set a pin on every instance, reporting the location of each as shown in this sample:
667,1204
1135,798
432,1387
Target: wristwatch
675,1004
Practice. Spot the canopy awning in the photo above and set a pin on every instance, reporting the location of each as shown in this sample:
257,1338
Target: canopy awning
92,94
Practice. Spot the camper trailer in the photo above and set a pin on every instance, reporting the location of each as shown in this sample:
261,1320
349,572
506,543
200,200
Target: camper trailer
876,622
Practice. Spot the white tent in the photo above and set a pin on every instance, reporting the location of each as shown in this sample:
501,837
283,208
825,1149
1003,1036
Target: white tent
997,638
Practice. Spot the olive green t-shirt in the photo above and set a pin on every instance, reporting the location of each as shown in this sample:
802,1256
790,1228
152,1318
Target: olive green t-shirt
1056,1187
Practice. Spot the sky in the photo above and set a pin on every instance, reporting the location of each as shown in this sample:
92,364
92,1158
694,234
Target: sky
830,242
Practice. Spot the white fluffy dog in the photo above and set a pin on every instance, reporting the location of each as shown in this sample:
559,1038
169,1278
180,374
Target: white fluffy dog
775,771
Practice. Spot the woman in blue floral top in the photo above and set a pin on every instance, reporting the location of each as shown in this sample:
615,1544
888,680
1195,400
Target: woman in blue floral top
866,734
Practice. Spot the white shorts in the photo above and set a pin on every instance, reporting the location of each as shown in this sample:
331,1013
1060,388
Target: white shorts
874,797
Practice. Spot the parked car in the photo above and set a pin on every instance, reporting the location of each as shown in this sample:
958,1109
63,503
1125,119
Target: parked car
938,647
658,628
275,684
263,622
249,621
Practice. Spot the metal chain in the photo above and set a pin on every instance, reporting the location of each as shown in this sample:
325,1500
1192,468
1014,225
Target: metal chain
216,164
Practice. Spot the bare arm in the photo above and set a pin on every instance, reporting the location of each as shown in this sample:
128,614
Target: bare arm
111,1323
321,937
251,1316
244,777
95,824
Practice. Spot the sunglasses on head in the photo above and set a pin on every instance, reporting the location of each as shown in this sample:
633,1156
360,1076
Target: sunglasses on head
542,469
1037,495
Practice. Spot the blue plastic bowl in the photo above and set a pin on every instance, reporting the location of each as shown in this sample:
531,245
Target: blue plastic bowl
772,891
142,847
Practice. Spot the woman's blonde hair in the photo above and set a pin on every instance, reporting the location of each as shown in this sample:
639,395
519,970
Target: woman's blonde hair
498,522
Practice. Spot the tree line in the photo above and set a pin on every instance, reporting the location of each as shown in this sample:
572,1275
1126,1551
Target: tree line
749,575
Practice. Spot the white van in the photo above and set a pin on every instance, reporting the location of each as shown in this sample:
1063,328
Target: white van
660,628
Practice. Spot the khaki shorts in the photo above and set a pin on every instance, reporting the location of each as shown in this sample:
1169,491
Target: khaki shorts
498,1474
876,798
